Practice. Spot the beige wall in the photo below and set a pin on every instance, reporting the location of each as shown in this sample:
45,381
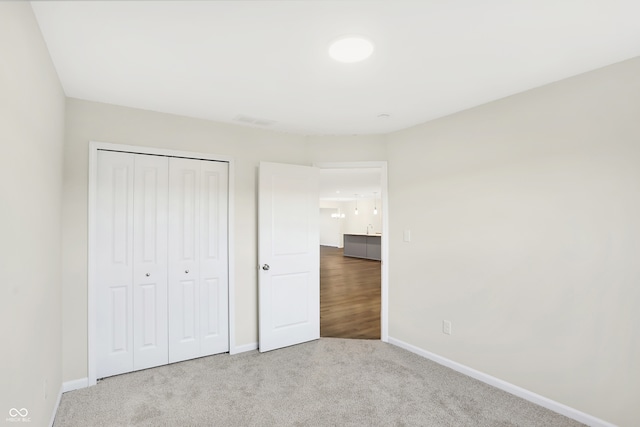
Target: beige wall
31,133
525,227
356,148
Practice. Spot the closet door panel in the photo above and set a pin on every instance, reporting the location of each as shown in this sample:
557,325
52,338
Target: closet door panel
151,190
114,263
184,252
214,259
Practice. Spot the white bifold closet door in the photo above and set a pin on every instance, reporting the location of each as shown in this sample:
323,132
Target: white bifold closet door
198,267
161,260
131,262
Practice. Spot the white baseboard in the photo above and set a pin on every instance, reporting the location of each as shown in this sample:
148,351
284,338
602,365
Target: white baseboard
75,384
505,386
244,348
55,408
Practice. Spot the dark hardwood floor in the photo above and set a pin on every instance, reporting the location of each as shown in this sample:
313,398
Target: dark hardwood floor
349,296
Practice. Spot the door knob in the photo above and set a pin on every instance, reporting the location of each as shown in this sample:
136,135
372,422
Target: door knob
186,271
266,267
148,274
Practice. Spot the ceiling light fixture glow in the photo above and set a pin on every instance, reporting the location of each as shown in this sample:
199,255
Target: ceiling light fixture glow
351,49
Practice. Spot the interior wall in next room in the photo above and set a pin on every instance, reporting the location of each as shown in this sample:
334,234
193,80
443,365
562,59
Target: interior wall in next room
330,227
365,219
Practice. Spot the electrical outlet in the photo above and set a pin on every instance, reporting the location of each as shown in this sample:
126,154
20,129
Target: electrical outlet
446,327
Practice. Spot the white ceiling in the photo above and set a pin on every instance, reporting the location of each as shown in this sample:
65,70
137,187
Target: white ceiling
267,60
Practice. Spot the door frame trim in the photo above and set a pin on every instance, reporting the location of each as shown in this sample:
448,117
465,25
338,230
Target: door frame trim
94,147
384,239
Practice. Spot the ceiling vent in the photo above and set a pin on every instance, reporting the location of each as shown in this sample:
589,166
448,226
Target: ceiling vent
253,120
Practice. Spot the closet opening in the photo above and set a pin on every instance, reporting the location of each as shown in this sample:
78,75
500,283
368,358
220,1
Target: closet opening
160,286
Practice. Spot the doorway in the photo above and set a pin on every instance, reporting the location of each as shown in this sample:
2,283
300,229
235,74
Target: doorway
353,288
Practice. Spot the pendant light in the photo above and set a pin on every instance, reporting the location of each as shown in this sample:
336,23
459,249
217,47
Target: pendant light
375,203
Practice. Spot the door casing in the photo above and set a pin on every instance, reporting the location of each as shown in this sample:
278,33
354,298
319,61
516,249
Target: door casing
94,146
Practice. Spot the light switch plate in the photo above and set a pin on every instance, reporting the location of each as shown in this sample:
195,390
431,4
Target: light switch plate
407,235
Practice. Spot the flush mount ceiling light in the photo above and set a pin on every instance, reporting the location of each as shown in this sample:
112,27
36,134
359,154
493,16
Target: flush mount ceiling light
351,49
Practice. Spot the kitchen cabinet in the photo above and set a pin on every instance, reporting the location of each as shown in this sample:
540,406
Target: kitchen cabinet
366,246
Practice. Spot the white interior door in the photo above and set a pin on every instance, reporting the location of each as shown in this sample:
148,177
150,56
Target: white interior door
198,277
289,271
184,311
151,189
214,265
161,260
131,262
114,263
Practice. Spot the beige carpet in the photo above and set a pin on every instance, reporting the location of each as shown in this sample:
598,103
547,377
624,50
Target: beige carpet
330,382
